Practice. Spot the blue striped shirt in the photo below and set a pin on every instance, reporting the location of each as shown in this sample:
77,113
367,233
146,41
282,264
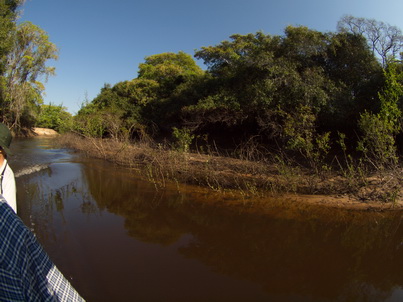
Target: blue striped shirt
26,271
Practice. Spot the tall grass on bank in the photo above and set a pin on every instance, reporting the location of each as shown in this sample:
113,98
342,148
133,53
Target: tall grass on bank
161,163
250,173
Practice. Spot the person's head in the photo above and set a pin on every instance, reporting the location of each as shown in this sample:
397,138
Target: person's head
5,140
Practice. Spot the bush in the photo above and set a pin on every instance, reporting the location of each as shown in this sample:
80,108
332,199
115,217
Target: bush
183,138
55,117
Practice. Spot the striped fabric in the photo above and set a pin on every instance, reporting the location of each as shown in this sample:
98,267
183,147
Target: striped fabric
26,271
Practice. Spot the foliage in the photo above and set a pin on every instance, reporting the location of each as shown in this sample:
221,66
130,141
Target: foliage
144,101
253,74
183,138
294,92
377,142
379,130
89,122
300,134
8,15
54,117
26,65
334,74
168,67
169,70
356,79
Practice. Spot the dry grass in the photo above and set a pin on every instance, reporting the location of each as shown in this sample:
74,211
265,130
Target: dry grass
262,176
162,164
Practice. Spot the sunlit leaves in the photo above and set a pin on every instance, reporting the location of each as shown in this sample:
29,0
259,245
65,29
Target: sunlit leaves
54,117
379,131
26,67
168,66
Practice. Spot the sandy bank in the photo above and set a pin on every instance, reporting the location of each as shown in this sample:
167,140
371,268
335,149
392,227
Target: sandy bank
44,131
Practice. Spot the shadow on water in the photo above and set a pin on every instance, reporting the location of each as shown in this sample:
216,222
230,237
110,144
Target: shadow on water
119,237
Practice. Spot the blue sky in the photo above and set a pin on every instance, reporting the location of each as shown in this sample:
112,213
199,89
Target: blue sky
103,41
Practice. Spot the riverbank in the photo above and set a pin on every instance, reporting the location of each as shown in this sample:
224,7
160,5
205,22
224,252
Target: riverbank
248,180
35,131
44,131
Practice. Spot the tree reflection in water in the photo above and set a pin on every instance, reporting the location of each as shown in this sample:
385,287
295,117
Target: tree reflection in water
287,249
322,253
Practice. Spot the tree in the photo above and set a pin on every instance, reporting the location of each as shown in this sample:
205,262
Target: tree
26,66
168,65
255,85
378,140
254,74
169,70
174,73
152,99
357,76
385,40
54,117
8,14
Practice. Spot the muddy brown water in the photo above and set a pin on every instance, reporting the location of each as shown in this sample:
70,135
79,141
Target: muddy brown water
118,237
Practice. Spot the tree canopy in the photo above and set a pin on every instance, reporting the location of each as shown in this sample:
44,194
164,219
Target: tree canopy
254,85
296,92
26,65
25,50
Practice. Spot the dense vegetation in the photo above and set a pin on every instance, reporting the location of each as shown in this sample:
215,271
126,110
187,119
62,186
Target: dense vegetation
25,50
317,100
306,95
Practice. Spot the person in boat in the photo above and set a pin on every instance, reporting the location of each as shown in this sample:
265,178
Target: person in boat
7,180
26,271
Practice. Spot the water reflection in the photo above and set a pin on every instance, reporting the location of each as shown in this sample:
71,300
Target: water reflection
327,254
113,232
149,214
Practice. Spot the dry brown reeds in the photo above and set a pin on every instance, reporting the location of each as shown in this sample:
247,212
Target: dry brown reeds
161,163
259,176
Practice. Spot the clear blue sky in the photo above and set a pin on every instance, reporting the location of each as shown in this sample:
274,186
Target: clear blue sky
104,41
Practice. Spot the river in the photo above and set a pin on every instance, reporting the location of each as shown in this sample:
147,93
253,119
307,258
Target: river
118,237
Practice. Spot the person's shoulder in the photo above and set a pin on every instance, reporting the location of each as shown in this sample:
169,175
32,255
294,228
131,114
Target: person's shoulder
9,170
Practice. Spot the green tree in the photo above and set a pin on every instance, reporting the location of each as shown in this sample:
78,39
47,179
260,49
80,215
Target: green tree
54,117
169,70
168,67
356,77
121,106
149,100
26,66
174,73
8,14
252,87
254,74
301,136
89,122
378,140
